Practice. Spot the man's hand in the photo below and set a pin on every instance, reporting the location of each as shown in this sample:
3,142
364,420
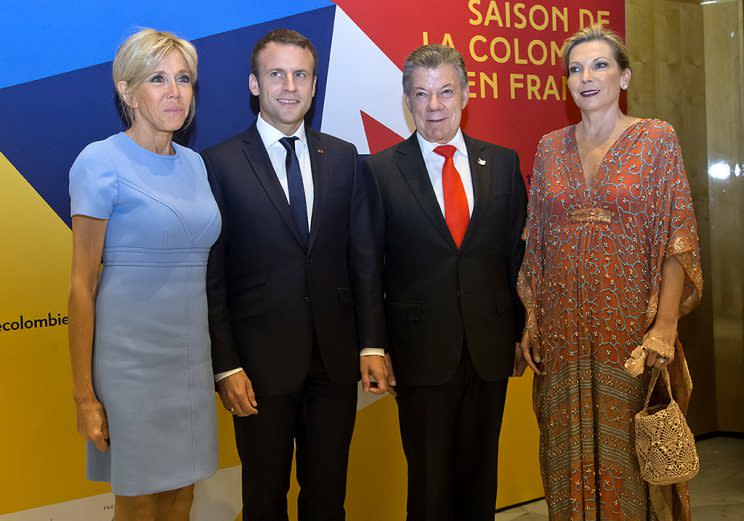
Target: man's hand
374,366
236,393
391,375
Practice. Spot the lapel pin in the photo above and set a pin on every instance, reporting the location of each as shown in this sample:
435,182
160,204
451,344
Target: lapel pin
481,161
321,151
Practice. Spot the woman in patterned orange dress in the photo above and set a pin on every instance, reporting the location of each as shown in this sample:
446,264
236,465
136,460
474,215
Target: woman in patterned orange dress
612,258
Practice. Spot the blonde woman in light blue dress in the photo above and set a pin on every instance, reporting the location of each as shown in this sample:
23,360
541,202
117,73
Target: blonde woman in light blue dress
142,208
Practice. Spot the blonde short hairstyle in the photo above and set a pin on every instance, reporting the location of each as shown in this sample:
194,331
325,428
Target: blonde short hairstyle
140,55
597,32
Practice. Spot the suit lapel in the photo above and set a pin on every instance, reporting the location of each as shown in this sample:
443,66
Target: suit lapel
412,166
480,172
258,158
320,181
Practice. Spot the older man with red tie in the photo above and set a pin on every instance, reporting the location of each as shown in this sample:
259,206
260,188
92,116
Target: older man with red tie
448,212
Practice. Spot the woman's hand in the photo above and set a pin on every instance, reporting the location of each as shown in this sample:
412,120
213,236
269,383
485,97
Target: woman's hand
662,357
92,424
528,354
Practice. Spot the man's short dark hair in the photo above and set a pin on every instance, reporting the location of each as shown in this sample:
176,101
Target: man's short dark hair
284,37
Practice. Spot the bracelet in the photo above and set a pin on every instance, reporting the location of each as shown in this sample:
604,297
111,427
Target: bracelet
661,347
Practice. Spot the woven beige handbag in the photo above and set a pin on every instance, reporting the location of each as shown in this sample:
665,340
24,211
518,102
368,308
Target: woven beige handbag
664,444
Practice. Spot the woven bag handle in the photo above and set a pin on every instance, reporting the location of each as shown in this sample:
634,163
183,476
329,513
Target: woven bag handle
652,384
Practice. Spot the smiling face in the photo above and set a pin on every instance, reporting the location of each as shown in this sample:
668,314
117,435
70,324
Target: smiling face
285,85
436,102
594,77
162,102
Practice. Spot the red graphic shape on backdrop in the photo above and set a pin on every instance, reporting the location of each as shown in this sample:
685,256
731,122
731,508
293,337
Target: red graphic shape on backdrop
379,137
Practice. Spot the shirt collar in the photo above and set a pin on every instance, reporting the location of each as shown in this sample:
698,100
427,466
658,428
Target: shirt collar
427,147
271,135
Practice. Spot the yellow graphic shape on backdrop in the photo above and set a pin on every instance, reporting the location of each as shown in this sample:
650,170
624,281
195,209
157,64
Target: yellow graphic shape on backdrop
378,473
377,478
43,456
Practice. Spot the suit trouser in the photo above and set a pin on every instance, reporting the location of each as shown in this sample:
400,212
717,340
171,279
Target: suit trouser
319,419
450,436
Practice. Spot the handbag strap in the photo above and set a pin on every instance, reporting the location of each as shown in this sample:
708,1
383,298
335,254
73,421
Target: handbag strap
652,384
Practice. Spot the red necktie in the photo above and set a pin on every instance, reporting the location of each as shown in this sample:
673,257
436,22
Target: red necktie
456,211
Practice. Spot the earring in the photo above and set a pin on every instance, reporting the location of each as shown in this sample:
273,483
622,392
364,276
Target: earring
624,86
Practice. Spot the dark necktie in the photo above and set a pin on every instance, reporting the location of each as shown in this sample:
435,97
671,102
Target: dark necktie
456,211
297,203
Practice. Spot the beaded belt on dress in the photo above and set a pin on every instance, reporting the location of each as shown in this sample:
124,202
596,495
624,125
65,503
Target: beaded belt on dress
589,215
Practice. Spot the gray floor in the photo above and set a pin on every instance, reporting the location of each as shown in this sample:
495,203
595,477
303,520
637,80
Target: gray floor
717,491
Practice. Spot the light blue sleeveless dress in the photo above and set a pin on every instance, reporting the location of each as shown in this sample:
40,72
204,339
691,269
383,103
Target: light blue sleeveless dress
152,368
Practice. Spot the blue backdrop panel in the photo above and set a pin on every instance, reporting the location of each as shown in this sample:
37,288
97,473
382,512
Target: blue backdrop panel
73,109
40,38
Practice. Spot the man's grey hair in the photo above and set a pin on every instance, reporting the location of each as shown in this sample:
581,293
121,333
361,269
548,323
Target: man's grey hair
430,57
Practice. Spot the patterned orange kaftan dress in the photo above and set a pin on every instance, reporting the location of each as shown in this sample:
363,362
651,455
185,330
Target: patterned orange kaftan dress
590,282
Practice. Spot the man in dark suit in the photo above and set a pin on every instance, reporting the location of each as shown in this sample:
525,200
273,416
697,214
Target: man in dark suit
292,291
448,212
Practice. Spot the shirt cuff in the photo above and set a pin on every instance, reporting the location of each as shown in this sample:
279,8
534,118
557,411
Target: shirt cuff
372,351
225,374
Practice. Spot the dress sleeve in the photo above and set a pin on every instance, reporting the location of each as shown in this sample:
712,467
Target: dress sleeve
530,274
94,185
676,232
675,235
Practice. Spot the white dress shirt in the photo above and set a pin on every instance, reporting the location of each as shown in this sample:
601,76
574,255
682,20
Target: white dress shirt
278,156
435,163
